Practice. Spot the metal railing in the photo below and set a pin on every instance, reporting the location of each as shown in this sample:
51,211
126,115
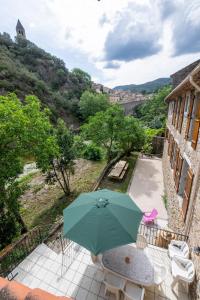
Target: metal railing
70,250
160,237
12,255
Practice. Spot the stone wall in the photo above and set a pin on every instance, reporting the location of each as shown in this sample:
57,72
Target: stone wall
174,202
130,106
193,159
194,241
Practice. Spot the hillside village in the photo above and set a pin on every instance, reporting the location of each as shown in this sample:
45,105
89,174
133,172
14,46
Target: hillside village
99,187
116,96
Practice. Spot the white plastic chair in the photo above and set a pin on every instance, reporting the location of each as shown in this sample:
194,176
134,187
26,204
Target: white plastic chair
133,292
160,273
113,284
141,242
178,248
183,270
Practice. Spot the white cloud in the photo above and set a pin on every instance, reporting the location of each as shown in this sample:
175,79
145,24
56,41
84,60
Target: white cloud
76,31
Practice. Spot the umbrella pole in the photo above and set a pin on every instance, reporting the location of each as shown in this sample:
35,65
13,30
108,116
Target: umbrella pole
94,258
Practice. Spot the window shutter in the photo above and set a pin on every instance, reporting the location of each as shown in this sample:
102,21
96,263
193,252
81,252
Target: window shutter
169,143
174,113
187,192
178,171
181,113
189,116
195,133
167,133
178,112
171,151
176,160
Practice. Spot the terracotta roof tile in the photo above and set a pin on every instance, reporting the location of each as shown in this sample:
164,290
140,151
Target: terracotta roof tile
13,290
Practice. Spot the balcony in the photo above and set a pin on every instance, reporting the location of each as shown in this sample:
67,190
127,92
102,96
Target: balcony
75,275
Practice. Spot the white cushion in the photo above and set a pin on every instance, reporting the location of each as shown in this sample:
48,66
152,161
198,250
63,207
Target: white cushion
183,268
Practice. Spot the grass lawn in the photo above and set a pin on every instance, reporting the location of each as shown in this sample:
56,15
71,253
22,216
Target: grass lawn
121,186
43,204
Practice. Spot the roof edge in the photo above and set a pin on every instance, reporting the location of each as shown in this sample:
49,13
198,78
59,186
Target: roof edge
183,82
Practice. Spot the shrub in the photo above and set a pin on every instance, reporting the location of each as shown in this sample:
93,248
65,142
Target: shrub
92,152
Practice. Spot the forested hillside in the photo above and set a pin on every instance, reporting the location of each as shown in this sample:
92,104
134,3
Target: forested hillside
27,69
148,87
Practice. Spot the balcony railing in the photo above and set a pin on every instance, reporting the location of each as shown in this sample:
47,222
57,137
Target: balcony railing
160,237
12,255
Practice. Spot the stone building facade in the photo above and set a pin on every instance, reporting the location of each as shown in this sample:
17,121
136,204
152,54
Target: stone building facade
181,162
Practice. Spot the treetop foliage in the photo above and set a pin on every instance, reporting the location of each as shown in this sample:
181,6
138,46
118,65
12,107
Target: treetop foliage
91,103
153,113
114,131
27,69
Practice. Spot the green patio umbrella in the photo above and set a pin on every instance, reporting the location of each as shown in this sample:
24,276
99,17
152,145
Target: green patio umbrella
102,220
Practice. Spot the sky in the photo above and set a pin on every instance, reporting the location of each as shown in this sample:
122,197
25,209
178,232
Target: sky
116,41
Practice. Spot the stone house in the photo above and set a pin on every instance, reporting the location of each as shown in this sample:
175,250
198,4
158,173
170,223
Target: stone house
181,160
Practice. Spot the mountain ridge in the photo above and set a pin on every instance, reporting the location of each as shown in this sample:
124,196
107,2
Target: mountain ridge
147,87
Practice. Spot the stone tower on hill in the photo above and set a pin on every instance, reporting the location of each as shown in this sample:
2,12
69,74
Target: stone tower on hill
20,30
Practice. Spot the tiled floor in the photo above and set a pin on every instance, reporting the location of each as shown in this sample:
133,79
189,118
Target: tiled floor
83,279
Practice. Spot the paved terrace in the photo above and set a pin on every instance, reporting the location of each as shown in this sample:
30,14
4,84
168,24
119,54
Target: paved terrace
83,280
147,189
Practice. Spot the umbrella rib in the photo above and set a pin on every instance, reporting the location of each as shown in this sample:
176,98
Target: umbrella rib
125,229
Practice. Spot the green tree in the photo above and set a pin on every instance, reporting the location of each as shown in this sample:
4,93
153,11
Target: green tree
91,103
132,136
24,129
104,128
61,166
150,133
113,131
153,113
82,77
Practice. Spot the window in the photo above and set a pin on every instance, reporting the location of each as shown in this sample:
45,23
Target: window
181,186
174,112
187,103
181,114
189,116
178,112
171,107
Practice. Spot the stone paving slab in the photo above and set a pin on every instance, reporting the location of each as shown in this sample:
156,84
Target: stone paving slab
147,188
83,280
